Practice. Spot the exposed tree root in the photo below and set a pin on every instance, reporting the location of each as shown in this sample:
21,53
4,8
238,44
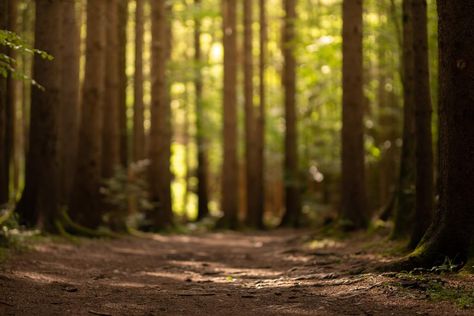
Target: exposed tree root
72,228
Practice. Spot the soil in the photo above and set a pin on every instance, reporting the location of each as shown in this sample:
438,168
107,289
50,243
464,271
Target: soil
269,273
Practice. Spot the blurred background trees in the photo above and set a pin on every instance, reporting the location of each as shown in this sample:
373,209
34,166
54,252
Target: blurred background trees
228,107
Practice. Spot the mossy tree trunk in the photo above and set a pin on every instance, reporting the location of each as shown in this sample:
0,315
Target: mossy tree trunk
450,234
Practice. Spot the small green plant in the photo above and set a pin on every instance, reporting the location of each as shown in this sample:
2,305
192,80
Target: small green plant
126,195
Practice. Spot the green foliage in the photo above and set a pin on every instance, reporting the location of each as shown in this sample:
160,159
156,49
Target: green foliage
437,289
126,193
16,43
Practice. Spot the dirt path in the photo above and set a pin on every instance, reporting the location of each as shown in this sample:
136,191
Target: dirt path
212,274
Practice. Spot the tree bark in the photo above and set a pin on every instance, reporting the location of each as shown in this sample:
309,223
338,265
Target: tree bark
85,203
354,197
403,219
424,150
122,65
111,122
230,168
10,145
450,234
39,204
292,215
4,192
160,133
138,110
253,218
69,94
260,130
202,167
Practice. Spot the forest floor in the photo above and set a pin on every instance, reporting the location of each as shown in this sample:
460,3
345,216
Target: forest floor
283,272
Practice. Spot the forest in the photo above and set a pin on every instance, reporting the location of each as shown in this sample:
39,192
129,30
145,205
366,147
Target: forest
225,157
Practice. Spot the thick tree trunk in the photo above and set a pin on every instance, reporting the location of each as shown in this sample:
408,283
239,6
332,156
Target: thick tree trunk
424,150
122,80
111,122
85,204
202,173
69,94
354,198
253,218
292,215
4,192
39,204
138,109
160,133
403,219
230,168
450,234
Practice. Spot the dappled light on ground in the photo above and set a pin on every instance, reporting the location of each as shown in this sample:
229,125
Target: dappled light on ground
277,273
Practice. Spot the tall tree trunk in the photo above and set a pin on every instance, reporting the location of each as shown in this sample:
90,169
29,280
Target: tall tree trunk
3,106
39,204
230,172
138,110
202,168
354,198
122,80
160,134
450,234
424,142
260,131
111,132
69,94
253,218
85,204
403,220
292,215
11,98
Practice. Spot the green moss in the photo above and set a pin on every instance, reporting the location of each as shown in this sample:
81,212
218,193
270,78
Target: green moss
461,296
436,289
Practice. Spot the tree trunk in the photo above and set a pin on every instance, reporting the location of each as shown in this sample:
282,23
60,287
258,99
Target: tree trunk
138,109
122,80
4,192
230,168
39,204
260,128
292,216
11,98
450,234
252,216
69,94
160,133
111,132
403,220
424,151
354,198
85,204
202,168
